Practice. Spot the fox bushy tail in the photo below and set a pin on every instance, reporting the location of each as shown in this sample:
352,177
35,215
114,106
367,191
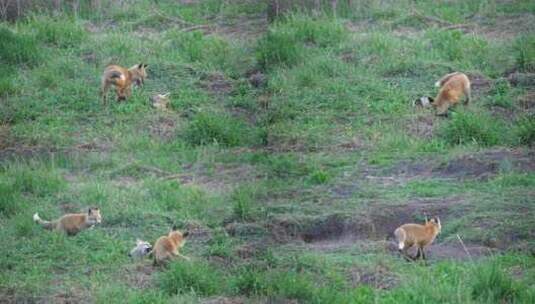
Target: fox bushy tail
45,224
444,79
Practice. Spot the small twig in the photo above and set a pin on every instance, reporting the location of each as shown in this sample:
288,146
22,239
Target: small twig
431,18
153,169
456,26
195,27
464,248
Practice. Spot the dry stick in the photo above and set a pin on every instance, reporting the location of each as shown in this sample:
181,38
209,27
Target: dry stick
431,18
457,26
195,27
464,248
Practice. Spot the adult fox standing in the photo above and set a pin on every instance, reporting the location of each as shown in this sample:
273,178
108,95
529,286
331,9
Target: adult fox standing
122,79
452,88
72,223
409,235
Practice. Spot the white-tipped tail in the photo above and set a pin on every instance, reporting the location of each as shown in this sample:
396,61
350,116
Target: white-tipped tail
437,84
36,217
401,245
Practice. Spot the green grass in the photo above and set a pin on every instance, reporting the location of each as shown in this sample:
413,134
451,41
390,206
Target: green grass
289,186
467,127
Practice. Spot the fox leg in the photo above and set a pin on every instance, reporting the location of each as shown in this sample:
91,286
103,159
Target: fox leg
418,251
104,91
468,95
177,254
423,253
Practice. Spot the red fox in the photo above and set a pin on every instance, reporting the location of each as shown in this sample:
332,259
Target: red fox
167,247
452,87
122,79
72,223
409,235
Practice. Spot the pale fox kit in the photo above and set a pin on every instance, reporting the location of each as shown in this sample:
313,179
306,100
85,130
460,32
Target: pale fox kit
167,247
452,88
409,235
122,79
72,223
141,250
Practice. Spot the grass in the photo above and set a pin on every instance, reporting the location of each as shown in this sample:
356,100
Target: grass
466,127
291,185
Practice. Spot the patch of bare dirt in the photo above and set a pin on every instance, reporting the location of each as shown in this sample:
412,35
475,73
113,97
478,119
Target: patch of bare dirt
519,79
242,28
527,102
139,275
505,27
163,127
377,223
224,300
486,164
479,83
216,83
220,178
422,126
480,165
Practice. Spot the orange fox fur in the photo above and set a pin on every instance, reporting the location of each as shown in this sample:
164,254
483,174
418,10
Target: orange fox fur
409,235
167,247
452,88
122,79
72,223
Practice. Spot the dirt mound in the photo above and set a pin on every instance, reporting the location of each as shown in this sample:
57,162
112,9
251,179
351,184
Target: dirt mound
486,164
481,165
377,223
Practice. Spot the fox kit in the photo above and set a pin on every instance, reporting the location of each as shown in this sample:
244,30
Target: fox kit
122,79
72,223
142,249
167,247
452,88
409,235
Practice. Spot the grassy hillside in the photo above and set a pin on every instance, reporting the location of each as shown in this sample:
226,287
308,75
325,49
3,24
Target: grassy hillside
290,152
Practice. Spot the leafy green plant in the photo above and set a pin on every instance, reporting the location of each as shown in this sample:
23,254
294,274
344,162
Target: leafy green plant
525,130
18,48
524,47
491,285
59,32
199,277
467,127
208,128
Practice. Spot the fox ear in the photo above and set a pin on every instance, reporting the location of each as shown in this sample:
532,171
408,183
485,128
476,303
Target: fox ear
140,66
185,234
174,228
145,65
